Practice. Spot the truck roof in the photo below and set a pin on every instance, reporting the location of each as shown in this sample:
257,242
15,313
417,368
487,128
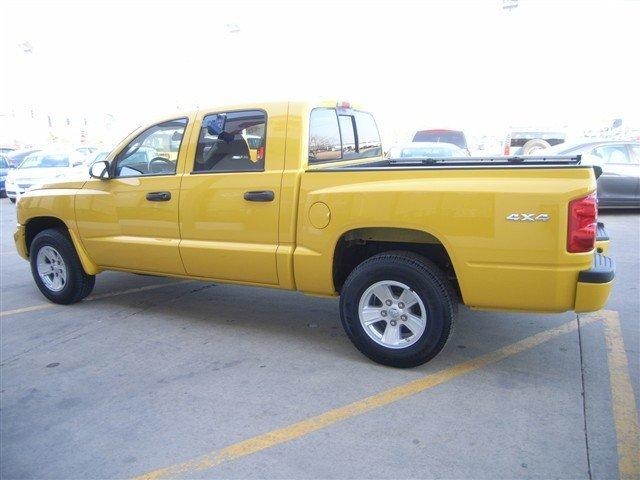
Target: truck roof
328,103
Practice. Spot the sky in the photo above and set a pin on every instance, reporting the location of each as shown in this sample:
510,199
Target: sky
458,64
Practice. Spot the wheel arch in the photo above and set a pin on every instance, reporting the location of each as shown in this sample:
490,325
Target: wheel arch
356,245
35,225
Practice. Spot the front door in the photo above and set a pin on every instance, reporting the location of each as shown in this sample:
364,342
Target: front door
130,221
230,196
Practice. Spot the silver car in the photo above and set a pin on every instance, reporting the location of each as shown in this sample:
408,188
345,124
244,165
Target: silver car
619,184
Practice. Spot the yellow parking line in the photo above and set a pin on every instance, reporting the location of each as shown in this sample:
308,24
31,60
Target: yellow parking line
44,306
625,414
312,424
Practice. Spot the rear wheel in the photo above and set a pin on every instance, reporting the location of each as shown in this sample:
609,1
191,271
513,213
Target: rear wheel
398,309
56,268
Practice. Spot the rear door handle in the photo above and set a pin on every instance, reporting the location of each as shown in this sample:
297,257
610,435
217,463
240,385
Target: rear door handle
159,196
259,196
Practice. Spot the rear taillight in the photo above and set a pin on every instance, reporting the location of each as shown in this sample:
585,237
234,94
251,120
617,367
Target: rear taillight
506,150
583,223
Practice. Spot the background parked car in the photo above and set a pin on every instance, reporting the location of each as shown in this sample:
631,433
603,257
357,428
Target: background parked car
5,150
97,156
455,137
86,151
4,169
426,150
619,184
40,167
16,157
529,142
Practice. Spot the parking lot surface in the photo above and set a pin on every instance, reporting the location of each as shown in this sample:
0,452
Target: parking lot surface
154,377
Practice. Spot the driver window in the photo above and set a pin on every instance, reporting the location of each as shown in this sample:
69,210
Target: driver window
153,152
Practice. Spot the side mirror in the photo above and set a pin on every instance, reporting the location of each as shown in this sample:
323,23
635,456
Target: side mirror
99,170
11,165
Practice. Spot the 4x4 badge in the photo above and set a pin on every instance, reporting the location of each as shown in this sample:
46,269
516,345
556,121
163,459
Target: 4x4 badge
528,217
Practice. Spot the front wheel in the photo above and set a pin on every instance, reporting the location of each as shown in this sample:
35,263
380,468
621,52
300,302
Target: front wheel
398,309
56,268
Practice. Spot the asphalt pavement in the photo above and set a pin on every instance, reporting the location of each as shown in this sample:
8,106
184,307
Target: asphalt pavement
155,377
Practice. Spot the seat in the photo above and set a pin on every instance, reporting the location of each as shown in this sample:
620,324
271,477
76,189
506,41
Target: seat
226,156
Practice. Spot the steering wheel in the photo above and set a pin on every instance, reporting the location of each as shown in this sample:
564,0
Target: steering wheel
161,165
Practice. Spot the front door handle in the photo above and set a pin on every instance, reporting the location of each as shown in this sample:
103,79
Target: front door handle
159,196
259,196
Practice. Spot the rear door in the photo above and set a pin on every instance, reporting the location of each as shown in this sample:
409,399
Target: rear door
230,195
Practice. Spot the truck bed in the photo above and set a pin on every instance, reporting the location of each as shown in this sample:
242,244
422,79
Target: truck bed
482,211
464,162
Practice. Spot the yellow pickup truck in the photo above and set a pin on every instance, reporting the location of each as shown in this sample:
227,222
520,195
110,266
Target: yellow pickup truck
315,207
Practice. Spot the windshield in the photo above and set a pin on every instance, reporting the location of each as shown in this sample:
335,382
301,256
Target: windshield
46,160
441,136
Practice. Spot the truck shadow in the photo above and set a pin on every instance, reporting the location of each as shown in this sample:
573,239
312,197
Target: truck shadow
292,321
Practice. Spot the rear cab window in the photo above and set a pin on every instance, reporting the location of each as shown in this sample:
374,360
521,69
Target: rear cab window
342,134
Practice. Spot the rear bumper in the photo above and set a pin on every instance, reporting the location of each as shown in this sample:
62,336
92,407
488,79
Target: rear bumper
602,239
594,285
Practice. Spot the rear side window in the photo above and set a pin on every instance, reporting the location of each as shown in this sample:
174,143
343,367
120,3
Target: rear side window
232,142
342,134
612,153
325,144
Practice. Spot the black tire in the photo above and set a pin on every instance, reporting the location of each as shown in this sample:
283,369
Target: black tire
12,200
78,284
426,280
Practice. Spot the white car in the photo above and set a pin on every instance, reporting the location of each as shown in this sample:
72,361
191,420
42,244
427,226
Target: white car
426,150
41,167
